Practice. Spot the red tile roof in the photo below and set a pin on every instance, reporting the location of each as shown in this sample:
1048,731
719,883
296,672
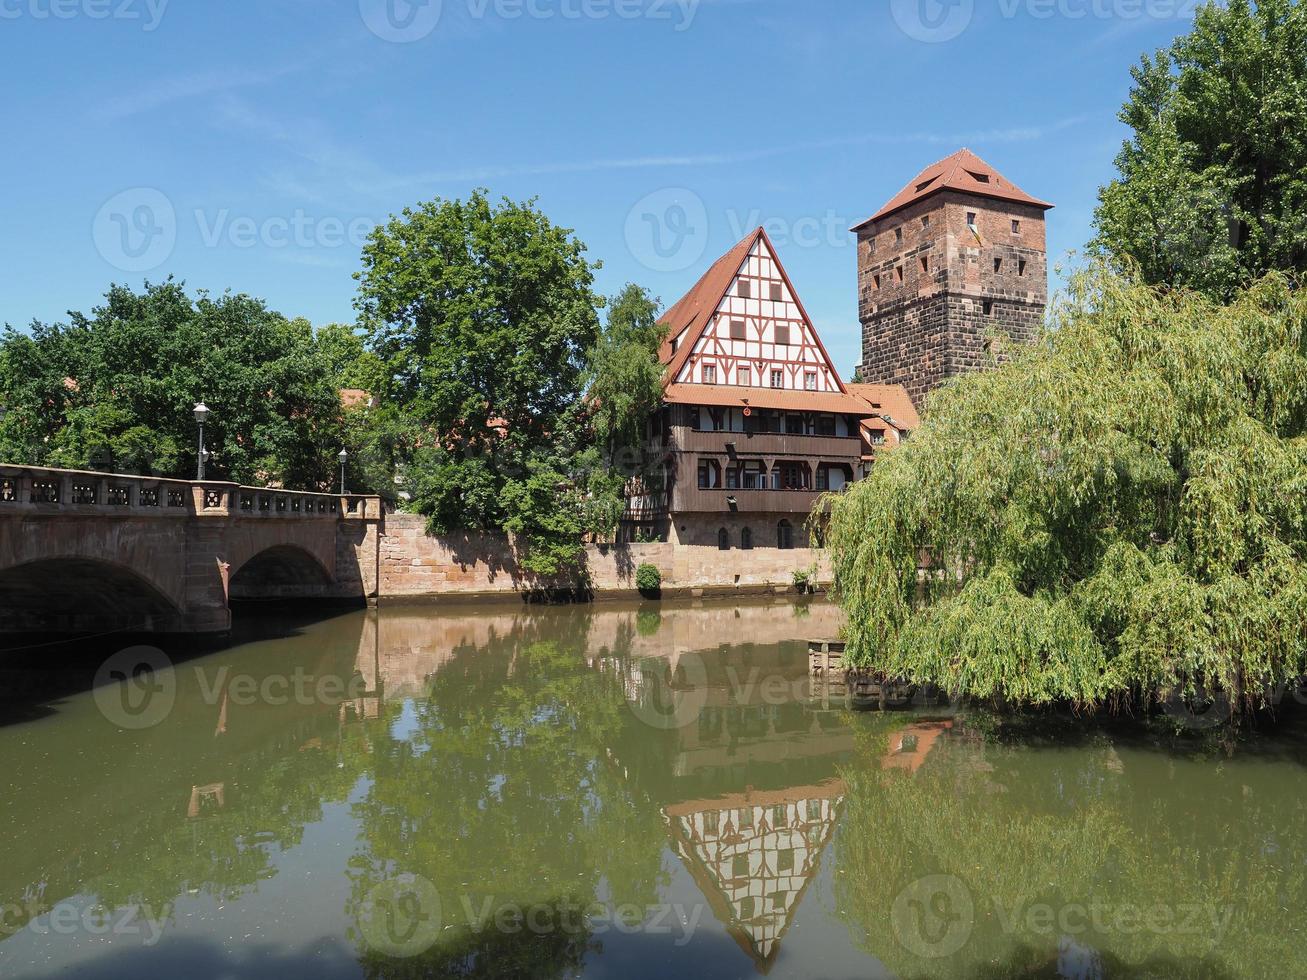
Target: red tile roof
891,400
962,171
692,313
734,396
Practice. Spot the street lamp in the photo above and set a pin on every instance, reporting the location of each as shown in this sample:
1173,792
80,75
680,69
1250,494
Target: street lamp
342,457
201,416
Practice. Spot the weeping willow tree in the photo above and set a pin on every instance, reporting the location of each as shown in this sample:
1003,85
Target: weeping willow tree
1119,513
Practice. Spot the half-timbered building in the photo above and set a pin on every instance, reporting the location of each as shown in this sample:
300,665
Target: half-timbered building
756,421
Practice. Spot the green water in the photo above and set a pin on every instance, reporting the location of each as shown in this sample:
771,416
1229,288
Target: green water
610,792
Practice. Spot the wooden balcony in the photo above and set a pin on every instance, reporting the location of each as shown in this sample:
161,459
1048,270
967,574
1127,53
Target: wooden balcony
769,444
695,500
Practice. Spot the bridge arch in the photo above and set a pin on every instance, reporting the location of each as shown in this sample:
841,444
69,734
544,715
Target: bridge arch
280,571
81,594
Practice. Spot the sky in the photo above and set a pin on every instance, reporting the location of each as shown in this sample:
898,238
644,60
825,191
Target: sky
250,145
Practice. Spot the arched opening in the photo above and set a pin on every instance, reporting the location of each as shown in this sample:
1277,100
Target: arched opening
78,595
785,536
724,540
279,573
746,539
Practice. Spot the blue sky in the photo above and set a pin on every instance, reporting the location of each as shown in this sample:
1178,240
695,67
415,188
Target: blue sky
249,144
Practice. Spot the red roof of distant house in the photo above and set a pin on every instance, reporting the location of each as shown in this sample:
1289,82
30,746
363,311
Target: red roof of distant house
891,400
353,397
962,171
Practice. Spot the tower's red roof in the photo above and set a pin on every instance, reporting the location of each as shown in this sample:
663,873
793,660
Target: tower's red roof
962,171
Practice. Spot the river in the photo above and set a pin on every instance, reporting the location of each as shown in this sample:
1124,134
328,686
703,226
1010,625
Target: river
609,791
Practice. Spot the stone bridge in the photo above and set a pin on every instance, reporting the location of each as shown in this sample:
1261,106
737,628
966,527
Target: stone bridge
95,552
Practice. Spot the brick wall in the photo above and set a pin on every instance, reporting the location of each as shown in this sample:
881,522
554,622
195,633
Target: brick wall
413,563
923,323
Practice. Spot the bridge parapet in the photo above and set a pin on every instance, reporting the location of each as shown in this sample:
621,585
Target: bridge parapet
170,554
86,492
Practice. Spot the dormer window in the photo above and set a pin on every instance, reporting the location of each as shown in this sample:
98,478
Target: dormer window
979,178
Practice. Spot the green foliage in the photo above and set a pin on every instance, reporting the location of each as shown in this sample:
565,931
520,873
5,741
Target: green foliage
115,390
510,408
1213,185
1122,509
648,579
802,578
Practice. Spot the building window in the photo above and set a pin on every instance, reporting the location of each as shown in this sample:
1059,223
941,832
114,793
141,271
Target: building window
723,540
1021,267
823,477
744,289
925,264
777,293
898,273
746,539
998,265
898,234
987,307
925,221
979,178
743,377
1016,226
878,437
809,380
710,474
778,379
794,425
737,330
676,342
785,536
710,374
875,281
783,334
753,475
971,220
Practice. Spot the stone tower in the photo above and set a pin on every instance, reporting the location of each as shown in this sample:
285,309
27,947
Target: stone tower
955,256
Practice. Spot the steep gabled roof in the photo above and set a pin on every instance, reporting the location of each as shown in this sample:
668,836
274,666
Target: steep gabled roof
962,171
687,319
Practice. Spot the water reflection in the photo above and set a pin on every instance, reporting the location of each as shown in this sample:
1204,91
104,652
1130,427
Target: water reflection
621,791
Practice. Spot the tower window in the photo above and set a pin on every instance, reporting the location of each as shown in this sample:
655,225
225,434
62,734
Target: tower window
925,264
737,330
998,265
777,294
778,379
925,221
876,285
898,234
743,289
898,273
987,307
971,220
1016,226
709,374
1021,267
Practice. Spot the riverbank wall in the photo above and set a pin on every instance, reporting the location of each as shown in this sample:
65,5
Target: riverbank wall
412,564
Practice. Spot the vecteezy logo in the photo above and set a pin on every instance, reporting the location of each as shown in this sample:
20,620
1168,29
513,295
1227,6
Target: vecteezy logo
401,21
933,916
667,231
401,916
932,21
671,695
136,687
136,231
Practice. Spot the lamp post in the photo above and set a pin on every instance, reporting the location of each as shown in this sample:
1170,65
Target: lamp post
201,416
342,457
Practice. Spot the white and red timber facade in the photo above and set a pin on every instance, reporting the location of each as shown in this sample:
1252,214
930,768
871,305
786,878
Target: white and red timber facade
756,422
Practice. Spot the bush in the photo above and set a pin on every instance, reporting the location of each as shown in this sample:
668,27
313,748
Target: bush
648,579
802,579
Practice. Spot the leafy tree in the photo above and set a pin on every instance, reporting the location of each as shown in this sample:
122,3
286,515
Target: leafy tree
510,402
1119,512
1213,184
115,390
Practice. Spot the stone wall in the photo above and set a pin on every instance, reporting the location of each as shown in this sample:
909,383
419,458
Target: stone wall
930,293
414,563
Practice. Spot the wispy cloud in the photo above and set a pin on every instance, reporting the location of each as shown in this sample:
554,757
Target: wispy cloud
165,91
